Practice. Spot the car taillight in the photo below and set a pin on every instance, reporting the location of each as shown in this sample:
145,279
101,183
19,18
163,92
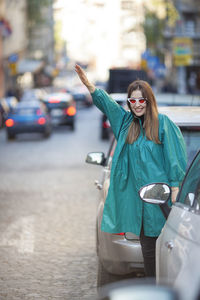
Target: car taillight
106,125
9,122
121,233
41,121
70,111
54,101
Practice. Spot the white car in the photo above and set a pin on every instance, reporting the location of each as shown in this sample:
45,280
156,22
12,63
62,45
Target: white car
178,246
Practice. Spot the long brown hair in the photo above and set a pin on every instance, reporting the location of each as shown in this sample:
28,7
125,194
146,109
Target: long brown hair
151,123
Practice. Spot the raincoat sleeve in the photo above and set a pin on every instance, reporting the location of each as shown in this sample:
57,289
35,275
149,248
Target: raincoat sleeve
174,151
114,112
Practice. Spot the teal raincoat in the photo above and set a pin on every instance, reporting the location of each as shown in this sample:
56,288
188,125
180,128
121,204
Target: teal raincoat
135,165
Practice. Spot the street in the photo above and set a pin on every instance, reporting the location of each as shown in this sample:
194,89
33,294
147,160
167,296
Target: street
47,212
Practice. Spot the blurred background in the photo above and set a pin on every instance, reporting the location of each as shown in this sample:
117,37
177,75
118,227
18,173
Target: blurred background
42,40
48,202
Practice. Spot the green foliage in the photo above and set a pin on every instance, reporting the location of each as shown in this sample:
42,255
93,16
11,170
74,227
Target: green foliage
153,29
172,14
154,25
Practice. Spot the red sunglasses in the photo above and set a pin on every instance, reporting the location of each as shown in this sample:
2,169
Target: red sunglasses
138,100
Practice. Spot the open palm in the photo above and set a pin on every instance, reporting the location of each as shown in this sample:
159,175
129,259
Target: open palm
82,75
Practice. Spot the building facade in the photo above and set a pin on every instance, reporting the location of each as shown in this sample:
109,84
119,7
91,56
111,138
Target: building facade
183,46
13,40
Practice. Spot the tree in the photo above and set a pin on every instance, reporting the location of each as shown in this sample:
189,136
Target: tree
155,23
153,29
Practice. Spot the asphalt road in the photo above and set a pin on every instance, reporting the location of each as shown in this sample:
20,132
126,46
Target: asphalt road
47,213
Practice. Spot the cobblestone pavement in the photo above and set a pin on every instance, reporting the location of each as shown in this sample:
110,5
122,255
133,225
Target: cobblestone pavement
47,214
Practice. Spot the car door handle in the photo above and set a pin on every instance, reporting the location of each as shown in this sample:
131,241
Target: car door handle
98,185
169,245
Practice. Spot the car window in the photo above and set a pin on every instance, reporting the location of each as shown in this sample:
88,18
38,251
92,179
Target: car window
25,111
192,140
190,190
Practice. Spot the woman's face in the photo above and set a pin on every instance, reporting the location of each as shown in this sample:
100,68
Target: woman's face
139,109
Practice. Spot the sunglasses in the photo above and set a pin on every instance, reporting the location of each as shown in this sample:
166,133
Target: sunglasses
138,100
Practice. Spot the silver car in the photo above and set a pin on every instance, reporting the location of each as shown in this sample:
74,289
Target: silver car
178,246
120,254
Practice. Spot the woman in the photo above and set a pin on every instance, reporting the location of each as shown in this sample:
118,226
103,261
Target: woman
150,148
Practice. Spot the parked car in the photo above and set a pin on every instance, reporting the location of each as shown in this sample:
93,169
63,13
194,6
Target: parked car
178,246
188,119
28,117
121,254
33,94
62,108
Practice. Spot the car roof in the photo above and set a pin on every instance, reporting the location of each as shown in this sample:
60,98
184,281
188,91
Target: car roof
165,99
58,96
182,115
119,96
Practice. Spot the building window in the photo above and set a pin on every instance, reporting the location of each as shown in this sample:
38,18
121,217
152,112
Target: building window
127,5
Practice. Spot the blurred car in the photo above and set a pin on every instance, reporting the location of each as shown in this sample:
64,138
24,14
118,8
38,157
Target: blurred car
32,94
178,246
62,108
120,254
81,96
6,104
28,117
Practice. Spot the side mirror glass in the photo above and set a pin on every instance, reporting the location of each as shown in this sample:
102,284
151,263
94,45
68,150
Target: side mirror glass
95,158
137,289
155,193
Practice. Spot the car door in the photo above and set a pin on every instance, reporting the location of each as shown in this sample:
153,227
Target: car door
180,237
103,186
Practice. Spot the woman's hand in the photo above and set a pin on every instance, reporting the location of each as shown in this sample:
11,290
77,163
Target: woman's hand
83,77
175,191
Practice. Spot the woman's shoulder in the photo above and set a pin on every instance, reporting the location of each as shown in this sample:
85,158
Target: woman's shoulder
163,118
166,124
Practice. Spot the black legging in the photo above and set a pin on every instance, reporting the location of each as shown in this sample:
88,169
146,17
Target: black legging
148,245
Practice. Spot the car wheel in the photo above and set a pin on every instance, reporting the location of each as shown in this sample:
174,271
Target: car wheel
47,134
1,121
73,126
104,277
104,134
10,136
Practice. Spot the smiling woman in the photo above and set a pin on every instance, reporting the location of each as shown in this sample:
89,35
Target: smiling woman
150,148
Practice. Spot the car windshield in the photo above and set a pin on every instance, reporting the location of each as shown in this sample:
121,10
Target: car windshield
190,190
192,140
27,111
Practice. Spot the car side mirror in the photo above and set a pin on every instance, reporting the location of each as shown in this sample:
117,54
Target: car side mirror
156,193
95,158
137,290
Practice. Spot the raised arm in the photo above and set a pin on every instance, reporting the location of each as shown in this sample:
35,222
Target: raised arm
83,77
114,112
